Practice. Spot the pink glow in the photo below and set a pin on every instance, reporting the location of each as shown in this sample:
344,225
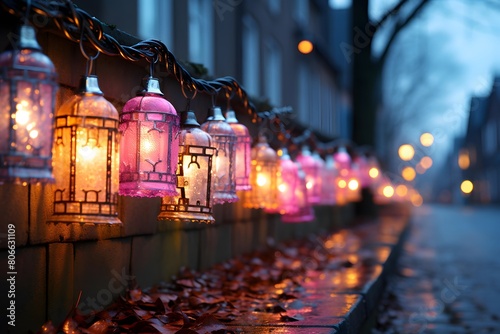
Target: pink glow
311,168
305,212
149,147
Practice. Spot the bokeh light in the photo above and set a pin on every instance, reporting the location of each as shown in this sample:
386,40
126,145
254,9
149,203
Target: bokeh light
406,152
467,187
408,173
426,139
305,46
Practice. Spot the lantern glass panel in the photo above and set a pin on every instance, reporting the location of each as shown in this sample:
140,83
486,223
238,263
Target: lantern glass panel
305,212
263,177
243,149
311,169
194,179
224,140
329,186
287,182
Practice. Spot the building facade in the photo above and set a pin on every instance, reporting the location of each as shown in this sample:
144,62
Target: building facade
254,42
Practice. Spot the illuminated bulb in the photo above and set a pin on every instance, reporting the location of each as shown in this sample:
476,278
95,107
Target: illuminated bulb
305,46
406,152
388,191
373,172
353,184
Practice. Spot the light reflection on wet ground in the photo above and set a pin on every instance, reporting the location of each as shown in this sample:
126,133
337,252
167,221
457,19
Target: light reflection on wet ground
447,278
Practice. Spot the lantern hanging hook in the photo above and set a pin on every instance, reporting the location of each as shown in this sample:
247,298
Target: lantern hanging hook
28,9
90,59
153,60
188,98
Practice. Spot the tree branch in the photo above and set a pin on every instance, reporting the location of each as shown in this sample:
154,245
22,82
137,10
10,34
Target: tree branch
399,26
386,16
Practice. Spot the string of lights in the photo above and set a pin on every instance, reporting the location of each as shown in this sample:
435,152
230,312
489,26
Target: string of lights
77,25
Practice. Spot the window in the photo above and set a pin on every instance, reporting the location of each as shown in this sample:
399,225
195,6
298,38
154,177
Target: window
155,20
272,72
200,13
251,56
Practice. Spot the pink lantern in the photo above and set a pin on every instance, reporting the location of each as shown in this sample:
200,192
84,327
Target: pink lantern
224,140
305,212
328,182
287,182
194,177
342,161
310,167
263,194
362,163
27,97
243,147
149,145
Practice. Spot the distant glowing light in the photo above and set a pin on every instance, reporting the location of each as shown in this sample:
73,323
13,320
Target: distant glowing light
373,172
406,152
464,159
401,190
388,191
467,187
305,46
426,162
408,173
417,200
353,184
342,184
426,139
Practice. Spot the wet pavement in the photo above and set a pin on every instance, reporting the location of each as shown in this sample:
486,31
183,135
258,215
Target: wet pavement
448,278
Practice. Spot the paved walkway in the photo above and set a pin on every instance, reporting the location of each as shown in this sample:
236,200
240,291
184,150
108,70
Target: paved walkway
448,279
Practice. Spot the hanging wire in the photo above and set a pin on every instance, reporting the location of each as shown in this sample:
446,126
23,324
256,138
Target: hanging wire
73,21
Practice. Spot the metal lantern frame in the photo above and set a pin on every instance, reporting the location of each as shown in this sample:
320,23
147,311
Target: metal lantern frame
27,98
195,150
95,127
243,152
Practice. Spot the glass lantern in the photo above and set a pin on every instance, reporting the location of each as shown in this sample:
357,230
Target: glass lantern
263,194
149,151
311,169
287,182
243,147
224,140
329,185
305,212
86,157
27,97
194,176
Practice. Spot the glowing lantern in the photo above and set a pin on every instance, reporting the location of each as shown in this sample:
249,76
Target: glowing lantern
27,95
263,194
86,156
311,169
149,146
243,147
342,161
329,185
287,181
194,176
305,212
384,191
353,184
224,140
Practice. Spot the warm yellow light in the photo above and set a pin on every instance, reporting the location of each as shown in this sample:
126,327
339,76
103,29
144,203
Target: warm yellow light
463,159
282,188
22,114
87,153
408,173
305,46
466,187
261,180
342,184
401,190
353,184
373,172
388,191
406,152
426,162
426,139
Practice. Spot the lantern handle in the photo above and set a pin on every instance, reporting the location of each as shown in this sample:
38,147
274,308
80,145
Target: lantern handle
152,62
90,59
